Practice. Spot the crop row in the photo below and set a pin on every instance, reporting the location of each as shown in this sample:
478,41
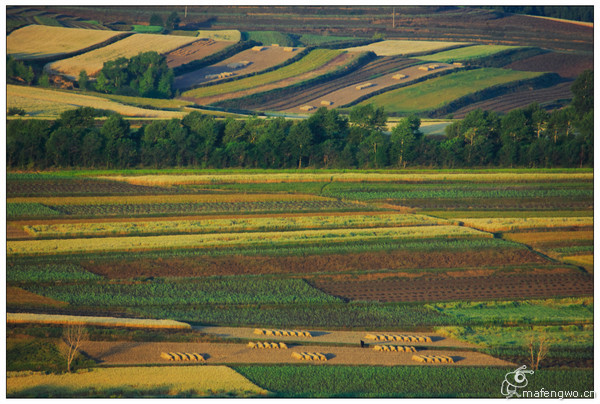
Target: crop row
29,209
35,186
310,62
166,199
134,243
510,224
230,290
48,273
404,381
169,180
150,209
228,225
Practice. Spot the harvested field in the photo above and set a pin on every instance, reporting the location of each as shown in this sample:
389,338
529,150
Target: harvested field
379,66
286,76
228,35
131,382
468,288
22,297
29,318
170,180
330,336
405,48
520,99
567,65
43,102
350,93
195,51
41,41
312,264
271,56
79,245
114,353
92,61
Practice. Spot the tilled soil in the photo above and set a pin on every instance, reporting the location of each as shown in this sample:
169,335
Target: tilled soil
463,288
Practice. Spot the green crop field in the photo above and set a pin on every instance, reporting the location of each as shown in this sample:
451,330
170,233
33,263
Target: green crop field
434,93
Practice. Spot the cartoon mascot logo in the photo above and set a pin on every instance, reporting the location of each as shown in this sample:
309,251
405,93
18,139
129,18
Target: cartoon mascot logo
513,381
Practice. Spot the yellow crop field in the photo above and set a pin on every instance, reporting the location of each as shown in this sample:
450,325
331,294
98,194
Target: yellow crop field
221,35
202,380
404,47
35,41
93,61
51,103
169,180
80,245
508,224
584,260
148,199
26,318
549,237
232,225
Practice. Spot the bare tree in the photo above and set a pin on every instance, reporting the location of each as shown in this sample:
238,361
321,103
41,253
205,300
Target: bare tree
538,349
73,336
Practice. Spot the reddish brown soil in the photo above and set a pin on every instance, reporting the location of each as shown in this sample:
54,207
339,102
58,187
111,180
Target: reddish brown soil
194,51
444,288
271,56
18,296
567,65
233,265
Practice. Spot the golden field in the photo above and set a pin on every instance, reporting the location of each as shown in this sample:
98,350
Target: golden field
80,245
26,318
201,380
51,103
35,41
549,237
221,35
404,47
508,224
93,61
232,225
167,180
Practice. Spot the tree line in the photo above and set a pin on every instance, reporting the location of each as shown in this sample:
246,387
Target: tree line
530,137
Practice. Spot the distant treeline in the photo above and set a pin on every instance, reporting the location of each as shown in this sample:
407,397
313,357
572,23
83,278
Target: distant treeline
575,13
529,137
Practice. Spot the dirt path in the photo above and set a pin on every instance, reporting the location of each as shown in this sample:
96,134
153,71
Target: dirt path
116,353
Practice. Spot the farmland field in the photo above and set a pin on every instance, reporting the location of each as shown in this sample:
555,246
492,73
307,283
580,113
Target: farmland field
92,61
307,201
39,41
436,92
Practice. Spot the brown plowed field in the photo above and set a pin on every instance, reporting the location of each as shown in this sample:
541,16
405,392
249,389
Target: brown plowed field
194,51
349,93
566,65
235,265
114,353
337,61
381,65
468,288
271,56
521,99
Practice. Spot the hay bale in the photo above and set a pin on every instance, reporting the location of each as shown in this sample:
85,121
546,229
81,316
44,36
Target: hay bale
418,358
252,345
297,355
269,332
457,64
307,107
424,68
167,356
277,333
326,103
371,336
365,85
321,356
259,331
282,346
399,76
275,45
289,49
258,48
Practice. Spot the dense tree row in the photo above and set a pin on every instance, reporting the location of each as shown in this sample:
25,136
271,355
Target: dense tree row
576,13
529,137
145,75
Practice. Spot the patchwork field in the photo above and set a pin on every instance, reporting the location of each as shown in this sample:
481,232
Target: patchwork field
48,103
195,51
405,48
436,92
42,41
93,61
242,63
